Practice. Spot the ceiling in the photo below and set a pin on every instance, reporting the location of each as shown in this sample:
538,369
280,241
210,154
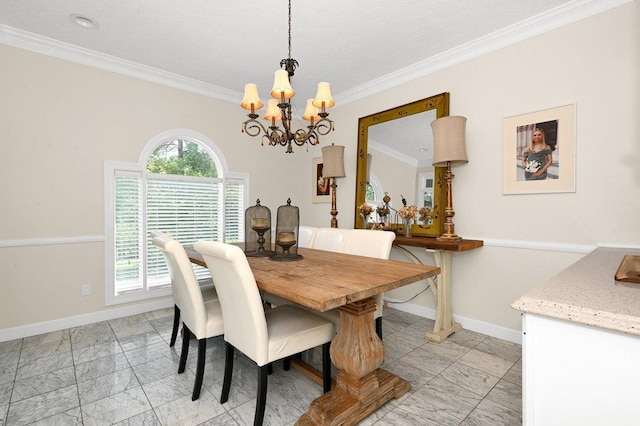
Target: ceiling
215,47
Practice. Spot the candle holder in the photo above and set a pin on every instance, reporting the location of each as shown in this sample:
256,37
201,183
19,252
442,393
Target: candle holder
257,231
287,224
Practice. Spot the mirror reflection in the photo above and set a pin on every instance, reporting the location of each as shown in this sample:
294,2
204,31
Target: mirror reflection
401,157
395,152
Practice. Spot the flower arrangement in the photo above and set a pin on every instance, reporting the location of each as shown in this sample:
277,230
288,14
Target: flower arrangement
425,214
408,212
365,209
382,210
532,166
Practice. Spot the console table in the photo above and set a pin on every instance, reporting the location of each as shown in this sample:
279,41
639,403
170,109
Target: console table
443,253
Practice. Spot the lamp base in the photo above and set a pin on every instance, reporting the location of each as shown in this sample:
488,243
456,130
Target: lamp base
334,209
453,238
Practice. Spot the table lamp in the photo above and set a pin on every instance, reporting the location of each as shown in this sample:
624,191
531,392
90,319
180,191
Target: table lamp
333,167
449,148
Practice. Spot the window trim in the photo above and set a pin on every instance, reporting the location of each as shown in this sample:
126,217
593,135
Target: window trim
139,170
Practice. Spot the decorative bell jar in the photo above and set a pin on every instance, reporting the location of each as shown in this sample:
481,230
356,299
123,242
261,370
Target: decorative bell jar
287,223
257,231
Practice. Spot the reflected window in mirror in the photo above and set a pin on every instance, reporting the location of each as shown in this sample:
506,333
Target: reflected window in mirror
425,190
374,197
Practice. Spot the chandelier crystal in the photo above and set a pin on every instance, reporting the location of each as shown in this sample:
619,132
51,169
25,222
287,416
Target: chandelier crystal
279,109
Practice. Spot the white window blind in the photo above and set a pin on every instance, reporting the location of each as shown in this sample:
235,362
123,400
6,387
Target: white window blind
234,210
128,225
187,208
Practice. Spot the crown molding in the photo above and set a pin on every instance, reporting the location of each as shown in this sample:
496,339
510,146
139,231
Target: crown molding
539,24
47,46
544,22
377,146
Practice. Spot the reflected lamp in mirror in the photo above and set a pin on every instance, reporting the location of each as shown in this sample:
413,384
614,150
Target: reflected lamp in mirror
449,148
333,167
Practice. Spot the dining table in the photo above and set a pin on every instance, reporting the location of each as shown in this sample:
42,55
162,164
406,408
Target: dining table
324,280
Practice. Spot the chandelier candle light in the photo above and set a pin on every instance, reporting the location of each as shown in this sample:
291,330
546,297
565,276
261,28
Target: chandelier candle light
279,109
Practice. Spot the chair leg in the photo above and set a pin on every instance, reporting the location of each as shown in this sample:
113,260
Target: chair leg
202,349
379,327
176,324
326,367
261,400
270,368
287,363
185,348
228,372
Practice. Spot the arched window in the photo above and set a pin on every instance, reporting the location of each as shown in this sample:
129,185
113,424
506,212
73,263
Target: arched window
373,196
180,186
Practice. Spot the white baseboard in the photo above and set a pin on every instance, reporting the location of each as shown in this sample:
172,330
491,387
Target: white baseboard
470,324
84,319
7,334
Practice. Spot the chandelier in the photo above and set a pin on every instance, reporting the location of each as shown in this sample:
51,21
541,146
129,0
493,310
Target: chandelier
279,109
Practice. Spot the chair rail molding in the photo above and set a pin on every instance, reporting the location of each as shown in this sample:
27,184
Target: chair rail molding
26,242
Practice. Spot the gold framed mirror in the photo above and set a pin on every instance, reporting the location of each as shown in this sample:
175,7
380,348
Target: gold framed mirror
435,106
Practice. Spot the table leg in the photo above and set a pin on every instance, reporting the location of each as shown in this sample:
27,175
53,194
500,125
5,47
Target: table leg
361,387
445,325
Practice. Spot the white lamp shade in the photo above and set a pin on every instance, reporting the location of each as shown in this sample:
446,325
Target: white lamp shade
282,86
310,112
273,112
251,97
333,161
323,96
449,141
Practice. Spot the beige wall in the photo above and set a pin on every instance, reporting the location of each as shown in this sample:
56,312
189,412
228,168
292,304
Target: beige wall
593,63
61,121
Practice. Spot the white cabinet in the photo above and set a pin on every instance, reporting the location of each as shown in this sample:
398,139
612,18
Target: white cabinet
575,374
581,346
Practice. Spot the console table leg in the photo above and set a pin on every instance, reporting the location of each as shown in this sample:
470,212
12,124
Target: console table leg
445,325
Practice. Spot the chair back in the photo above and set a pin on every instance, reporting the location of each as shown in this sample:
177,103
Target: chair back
330,239
187,294
306,236
364,242
245,326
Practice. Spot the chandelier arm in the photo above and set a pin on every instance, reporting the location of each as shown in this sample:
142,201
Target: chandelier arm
252,127
323,126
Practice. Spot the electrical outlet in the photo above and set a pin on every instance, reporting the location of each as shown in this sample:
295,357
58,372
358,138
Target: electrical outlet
86,289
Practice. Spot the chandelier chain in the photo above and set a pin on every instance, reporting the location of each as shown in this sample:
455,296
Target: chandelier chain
289,29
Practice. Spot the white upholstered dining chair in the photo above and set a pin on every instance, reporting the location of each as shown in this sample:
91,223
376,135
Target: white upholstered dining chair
329,239
306,236
201,319
263,336
208,293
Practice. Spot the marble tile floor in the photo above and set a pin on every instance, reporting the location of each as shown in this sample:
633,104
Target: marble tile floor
123,372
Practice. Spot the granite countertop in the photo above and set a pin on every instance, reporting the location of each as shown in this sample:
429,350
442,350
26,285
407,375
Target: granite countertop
587,293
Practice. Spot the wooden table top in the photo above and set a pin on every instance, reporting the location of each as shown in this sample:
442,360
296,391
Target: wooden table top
336,279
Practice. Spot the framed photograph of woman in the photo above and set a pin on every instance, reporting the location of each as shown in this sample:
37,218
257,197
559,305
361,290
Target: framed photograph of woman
539,151
321,191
